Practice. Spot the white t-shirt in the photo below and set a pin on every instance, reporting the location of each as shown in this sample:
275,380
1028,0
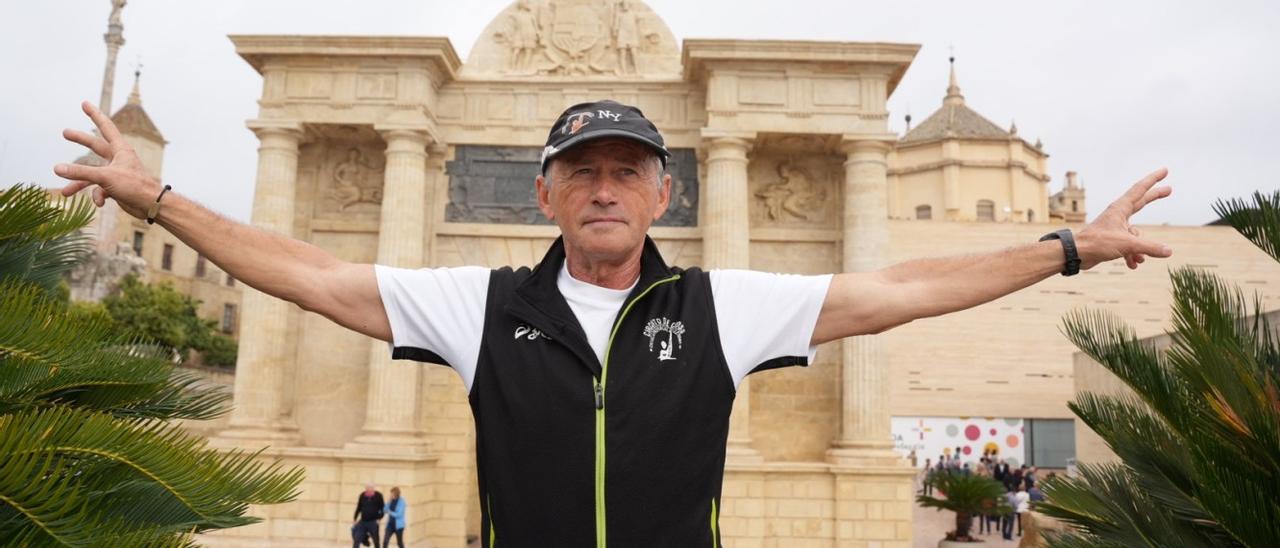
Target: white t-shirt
1023,501
761,316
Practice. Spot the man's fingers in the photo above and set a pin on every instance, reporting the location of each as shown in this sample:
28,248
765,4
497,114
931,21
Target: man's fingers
77,172
1151,196
105,125
97,144
1139,189
1154,249
99,196
74,187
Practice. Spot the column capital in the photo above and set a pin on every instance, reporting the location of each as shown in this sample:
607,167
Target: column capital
263,128
854,144
427,135
734,146
727,137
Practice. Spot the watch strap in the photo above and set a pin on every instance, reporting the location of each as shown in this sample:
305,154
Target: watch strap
1072,265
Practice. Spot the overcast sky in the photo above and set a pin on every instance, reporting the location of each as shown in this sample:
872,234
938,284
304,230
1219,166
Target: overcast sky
1114,89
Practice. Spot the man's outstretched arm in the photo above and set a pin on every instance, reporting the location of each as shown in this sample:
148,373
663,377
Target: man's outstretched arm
289,269
860,303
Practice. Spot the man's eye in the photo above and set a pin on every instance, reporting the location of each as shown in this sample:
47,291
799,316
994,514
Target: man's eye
582,171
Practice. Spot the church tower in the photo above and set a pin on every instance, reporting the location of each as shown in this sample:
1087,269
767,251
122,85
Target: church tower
959,166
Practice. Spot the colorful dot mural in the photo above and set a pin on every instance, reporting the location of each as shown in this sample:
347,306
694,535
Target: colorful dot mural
970,437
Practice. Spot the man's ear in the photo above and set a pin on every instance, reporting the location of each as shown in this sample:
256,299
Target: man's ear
664,197
544,197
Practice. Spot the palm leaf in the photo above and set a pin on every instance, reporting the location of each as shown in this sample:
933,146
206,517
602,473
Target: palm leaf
188,487
1259,221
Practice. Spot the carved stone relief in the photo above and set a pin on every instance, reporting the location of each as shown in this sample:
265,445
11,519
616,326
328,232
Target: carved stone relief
490,184
575,38
794,190
350,177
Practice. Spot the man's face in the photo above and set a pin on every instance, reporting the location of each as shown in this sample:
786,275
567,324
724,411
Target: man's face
604,195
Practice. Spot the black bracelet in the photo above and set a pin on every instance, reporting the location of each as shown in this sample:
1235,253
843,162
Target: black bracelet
1072,266
155,208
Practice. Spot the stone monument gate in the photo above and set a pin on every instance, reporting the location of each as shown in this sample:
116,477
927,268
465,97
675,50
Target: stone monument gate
392,150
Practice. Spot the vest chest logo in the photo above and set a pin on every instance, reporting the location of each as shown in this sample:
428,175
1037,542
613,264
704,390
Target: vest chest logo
668,343
529,333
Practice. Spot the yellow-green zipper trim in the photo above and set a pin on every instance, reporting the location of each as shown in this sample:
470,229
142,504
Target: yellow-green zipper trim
715,527
493,532
598,390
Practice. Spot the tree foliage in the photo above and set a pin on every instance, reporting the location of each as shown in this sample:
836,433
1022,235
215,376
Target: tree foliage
159,313
1199,439
88,455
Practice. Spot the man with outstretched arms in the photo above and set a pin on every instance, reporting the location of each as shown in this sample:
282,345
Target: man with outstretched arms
601,380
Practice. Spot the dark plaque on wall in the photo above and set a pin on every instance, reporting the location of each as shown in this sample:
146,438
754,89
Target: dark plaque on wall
490,184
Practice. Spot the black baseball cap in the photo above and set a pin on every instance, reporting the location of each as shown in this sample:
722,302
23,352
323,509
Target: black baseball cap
585,122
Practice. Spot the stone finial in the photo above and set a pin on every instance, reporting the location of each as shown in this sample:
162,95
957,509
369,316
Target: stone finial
953,90
908,119
1039,145
1071,180
1013,128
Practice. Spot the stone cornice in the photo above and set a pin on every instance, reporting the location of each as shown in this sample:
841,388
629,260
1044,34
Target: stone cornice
256,48
1000,164
1025,145
894,57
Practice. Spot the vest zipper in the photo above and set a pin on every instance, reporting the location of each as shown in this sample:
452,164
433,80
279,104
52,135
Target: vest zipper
715,525
493,531
598,388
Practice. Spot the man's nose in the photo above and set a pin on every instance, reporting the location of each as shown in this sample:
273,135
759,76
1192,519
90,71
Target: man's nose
605,190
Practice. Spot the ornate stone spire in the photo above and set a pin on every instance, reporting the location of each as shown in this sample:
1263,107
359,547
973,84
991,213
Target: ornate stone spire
953,90
114,39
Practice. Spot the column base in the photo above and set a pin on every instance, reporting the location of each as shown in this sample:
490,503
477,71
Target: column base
741,452
257,436
864,453
406,444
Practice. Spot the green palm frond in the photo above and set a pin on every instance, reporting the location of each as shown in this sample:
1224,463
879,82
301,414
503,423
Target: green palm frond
1109,502
167,477
1157,452
1199,439
39,240
968,493
86,455
73,359
1258,221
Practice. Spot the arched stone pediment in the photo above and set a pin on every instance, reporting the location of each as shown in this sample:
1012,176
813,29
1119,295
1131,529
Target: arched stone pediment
575,39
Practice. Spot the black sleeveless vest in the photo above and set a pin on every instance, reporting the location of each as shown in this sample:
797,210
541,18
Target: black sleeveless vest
572,452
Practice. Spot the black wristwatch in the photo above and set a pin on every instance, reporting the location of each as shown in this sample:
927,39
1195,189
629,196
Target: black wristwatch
1068,248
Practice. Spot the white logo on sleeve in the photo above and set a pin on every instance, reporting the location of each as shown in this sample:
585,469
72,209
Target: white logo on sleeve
529,333
667,345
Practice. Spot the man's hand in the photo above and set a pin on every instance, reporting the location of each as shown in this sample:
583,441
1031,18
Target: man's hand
1110,236
123,179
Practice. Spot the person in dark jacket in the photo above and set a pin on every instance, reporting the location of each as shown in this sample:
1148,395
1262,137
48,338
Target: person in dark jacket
369,506
601,379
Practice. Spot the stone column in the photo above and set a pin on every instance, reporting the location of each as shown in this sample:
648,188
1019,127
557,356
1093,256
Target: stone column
726,240
865,436
391,412
261,412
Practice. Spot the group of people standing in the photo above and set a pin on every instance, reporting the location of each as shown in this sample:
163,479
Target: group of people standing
370,509
1020,486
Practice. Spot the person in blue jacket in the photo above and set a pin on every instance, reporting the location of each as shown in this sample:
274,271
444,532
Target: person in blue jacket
395,519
